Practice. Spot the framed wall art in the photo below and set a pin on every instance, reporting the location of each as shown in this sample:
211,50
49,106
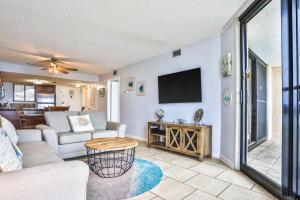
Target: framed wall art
141,88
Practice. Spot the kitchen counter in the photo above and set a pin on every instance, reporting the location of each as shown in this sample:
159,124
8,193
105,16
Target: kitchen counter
25,118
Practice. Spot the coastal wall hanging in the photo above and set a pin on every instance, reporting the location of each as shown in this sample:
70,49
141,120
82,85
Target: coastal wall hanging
2,90
141,88
227,97
130,83
102,92
227,65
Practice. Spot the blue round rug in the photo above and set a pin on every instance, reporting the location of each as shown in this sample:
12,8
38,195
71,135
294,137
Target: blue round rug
142,177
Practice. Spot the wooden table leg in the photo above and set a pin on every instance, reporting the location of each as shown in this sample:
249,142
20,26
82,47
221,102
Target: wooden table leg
200,157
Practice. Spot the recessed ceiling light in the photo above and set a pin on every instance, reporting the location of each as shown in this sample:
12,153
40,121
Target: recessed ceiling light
77,85
38,82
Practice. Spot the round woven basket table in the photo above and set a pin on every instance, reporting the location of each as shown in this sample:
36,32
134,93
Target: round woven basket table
110,157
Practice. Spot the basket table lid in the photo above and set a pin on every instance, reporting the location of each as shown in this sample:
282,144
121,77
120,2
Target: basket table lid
111,144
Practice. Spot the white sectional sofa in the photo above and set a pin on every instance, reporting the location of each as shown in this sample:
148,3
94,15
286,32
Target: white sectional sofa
66,143
44,176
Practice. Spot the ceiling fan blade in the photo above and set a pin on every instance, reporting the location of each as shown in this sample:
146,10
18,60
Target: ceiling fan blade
63,63
46,68
38,54
71,69
68,66
75,60
62,70
43,62
37,65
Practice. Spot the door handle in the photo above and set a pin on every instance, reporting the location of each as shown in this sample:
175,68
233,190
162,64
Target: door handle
297,87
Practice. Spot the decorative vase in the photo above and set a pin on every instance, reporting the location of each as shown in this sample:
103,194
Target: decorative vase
160,114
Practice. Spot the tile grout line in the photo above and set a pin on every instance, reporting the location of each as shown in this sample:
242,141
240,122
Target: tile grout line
189,194
223,190
156,196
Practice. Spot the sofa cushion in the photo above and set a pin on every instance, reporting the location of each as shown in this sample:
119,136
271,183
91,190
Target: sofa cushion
58,181
58,121
8,157
72,113
71,137
98,119
37,153
81,123
72,150
40,159
104,133
30,148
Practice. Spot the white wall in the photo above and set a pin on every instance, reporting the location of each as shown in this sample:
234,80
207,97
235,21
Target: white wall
9,92
63,97
136,111
230,125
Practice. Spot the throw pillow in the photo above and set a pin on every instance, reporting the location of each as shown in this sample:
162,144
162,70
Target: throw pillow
8,157
10,130
81,123
18,151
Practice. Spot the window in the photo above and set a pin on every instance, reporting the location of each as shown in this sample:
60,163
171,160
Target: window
24,93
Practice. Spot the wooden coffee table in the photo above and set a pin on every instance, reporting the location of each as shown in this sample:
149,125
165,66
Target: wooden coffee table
110,157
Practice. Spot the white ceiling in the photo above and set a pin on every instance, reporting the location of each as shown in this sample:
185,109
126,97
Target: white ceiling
106,34
264,33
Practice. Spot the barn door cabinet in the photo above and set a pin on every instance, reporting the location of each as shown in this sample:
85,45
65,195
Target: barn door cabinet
188,139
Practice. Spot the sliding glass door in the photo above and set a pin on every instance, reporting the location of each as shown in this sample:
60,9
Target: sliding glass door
270,95
291,98
261,143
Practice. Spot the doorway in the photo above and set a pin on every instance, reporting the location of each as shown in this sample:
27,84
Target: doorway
113,100
257,101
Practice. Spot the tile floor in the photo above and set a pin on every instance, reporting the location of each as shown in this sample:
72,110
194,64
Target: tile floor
266,158
188,179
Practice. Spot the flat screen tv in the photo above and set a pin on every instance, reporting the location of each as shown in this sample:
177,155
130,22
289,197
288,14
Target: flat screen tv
180,87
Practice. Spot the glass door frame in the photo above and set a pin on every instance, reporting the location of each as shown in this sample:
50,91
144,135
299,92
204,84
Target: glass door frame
290,98
260,178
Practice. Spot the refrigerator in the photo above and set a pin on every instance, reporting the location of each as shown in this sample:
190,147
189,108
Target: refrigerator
45,96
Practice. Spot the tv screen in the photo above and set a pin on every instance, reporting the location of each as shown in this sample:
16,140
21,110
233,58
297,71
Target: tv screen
180,87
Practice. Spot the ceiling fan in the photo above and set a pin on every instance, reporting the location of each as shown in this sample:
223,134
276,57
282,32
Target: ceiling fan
53,65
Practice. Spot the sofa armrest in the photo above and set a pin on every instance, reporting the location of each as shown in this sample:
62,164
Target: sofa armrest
121,128
29,135
50,136
64,180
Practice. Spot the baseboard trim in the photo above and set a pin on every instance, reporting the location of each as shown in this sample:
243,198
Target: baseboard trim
215,155
137,137
227,161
